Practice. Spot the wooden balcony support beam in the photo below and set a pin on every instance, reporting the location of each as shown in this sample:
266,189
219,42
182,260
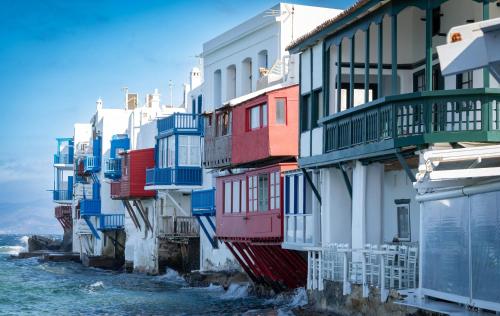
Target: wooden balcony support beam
142,213
309,180
405,166
346,179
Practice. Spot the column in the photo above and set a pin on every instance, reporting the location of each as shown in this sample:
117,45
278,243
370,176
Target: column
380,58
428,46
351,73
486,16
359,205
339,77
394,55
367,64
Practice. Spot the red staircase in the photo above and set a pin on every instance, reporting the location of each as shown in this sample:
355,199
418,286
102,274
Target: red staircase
63,215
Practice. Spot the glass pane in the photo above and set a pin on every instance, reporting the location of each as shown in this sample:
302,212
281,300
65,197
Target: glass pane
264,114
236,196
243,196
403,222
300,229
309,227
280,111
263,196
255,117
227,197
171,151
290,231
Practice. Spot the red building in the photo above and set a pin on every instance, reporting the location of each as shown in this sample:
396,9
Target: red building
261,129
130,187
133,175
249,209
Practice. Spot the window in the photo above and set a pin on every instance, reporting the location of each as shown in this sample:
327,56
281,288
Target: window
257,116
227,197
200,104
252,193
317,107
403,214
275,191
236,196
437,79
465,80
263,194
170,154
280,111
193,106
224,123
419,81
189,150
243,196
304,113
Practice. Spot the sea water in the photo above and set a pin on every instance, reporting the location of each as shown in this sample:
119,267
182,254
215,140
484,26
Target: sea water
28,287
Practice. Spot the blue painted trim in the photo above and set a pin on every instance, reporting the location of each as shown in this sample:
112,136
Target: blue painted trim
207,234
91,226
287,194
295,195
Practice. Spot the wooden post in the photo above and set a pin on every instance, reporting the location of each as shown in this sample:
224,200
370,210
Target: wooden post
351,73
367,64
428,46
339,77
380,58
394,57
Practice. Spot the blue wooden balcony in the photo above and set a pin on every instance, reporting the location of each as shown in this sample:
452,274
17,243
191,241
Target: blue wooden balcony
203,202
59,196
90,207
92,164
65,151
180,176
113,168
393,122
111,222
181,123
63,159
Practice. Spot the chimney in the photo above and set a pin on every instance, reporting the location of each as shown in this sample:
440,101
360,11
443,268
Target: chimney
185,97
194,78
99,104
155,100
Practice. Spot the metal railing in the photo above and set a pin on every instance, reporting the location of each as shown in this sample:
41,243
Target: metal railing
62,195
203,202
181,121
111,221
174,176
179,226
63,159
113,168
92,164
416,118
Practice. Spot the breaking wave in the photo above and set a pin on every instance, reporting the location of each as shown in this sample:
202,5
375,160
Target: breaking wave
171,276
236,291
11,250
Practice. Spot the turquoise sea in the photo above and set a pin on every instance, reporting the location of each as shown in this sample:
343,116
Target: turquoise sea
28,287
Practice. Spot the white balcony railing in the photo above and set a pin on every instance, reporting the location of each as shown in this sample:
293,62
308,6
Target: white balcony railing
386,267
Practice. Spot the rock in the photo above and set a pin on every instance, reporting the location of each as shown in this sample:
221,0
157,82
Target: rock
36,243
222,278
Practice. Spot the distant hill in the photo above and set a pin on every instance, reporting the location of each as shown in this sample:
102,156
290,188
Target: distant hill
33,217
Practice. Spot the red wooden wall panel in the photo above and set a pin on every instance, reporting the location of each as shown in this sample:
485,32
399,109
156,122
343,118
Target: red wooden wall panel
251,225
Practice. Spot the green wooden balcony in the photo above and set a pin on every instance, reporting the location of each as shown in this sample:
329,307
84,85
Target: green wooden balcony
413,119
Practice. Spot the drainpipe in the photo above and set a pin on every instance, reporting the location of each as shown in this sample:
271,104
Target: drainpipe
465,191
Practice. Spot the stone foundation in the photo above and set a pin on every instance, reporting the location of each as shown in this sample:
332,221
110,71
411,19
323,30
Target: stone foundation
180,255
332,300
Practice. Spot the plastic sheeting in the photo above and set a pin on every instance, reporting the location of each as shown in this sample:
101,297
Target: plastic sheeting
461,249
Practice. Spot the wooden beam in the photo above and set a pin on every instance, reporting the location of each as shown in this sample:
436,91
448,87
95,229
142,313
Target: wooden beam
346,180
380,57
428,46
405,166
351,71
394,57
367,65
309,180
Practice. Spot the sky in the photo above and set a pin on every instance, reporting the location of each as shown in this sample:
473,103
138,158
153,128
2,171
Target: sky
58,57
